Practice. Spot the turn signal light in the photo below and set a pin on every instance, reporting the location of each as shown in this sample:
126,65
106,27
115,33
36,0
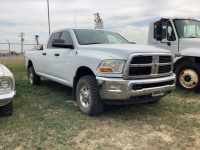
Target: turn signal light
179,54
105,70
176,18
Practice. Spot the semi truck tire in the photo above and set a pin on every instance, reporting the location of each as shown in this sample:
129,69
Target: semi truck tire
187,76
34,79
7,110
87,95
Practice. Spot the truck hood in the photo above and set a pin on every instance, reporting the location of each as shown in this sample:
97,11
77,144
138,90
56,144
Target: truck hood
189,42
189,46
4,71
121,51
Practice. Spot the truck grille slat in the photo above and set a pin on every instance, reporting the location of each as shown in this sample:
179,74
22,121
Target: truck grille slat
164,69
164,59
139,71
142,60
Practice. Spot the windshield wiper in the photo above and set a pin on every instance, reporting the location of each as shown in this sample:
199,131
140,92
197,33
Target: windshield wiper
91,43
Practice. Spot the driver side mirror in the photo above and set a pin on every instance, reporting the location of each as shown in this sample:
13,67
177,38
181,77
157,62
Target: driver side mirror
159,30
61,43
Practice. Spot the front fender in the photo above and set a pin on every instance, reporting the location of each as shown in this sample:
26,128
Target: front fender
92,61
192,51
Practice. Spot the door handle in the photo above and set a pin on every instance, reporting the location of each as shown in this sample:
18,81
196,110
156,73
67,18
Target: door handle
56,54
44,53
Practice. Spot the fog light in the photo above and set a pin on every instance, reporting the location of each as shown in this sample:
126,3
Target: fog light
113,87
100,82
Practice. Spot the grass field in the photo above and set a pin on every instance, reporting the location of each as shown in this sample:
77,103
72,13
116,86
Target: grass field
17,65
45,118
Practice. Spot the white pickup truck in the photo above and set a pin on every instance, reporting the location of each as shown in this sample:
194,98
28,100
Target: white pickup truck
103,68
182,37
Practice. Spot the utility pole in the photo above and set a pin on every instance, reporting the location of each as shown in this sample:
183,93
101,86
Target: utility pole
22,40
9,50
48,15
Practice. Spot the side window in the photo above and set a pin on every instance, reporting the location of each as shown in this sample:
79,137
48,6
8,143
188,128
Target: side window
67,37
170,32
53,36
113,39
163,30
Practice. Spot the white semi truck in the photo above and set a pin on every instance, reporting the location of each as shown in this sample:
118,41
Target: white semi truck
182,38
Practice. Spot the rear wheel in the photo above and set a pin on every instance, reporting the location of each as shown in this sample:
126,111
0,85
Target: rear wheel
187,76
7,110
34,79
88,98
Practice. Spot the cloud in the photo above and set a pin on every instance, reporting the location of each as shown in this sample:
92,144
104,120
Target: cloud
135,34
129,18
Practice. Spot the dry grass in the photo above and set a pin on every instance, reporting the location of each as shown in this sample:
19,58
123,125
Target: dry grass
46,118
13,61
17,65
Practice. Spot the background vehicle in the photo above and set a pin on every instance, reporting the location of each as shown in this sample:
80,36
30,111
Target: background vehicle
102,67
7,86
182,38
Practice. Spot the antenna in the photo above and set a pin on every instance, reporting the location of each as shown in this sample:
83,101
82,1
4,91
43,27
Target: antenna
75,20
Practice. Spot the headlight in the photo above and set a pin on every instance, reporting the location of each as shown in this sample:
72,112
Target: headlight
111,66
5,84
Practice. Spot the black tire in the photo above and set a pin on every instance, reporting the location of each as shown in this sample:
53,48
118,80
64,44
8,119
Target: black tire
7,110
192,66
34,79
95,103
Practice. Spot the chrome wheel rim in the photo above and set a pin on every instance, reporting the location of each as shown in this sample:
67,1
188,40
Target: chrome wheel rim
84,96
30,76
188,78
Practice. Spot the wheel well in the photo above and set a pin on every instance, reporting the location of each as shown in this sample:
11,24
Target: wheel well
82,71
186,59
30,63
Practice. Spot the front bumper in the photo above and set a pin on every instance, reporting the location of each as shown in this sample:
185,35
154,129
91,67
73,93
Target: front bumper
125,87
6,98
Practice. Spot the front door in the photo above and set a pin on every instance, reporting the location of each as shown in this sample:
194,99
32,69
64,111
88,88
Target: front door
57,61
168,35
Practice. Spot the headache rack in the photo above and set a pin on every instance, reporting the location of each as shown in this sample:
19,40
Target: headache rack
148,65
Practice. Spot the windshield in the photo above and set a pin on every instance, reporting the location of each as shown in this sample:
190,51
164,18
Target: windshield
86,37
188,28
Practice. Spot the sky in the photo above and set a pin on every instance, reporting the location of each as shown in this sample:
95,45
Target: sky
130,18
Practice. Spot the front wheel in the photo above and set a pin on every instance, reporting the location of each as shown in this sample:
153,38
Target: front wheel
34,79
88,98
187,76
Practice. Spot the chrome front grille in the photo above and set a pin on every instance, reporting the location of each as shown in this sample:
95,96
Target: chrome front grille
148,65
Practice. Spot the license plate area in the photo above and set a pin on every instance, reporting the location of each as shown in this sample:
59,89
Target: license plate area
157,92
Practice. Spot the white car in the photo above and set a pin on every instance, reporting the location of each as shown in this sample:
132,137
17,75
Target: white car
7,92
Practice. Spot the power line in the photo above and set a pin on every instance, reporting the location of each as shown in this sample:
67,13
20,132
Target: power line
19,44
